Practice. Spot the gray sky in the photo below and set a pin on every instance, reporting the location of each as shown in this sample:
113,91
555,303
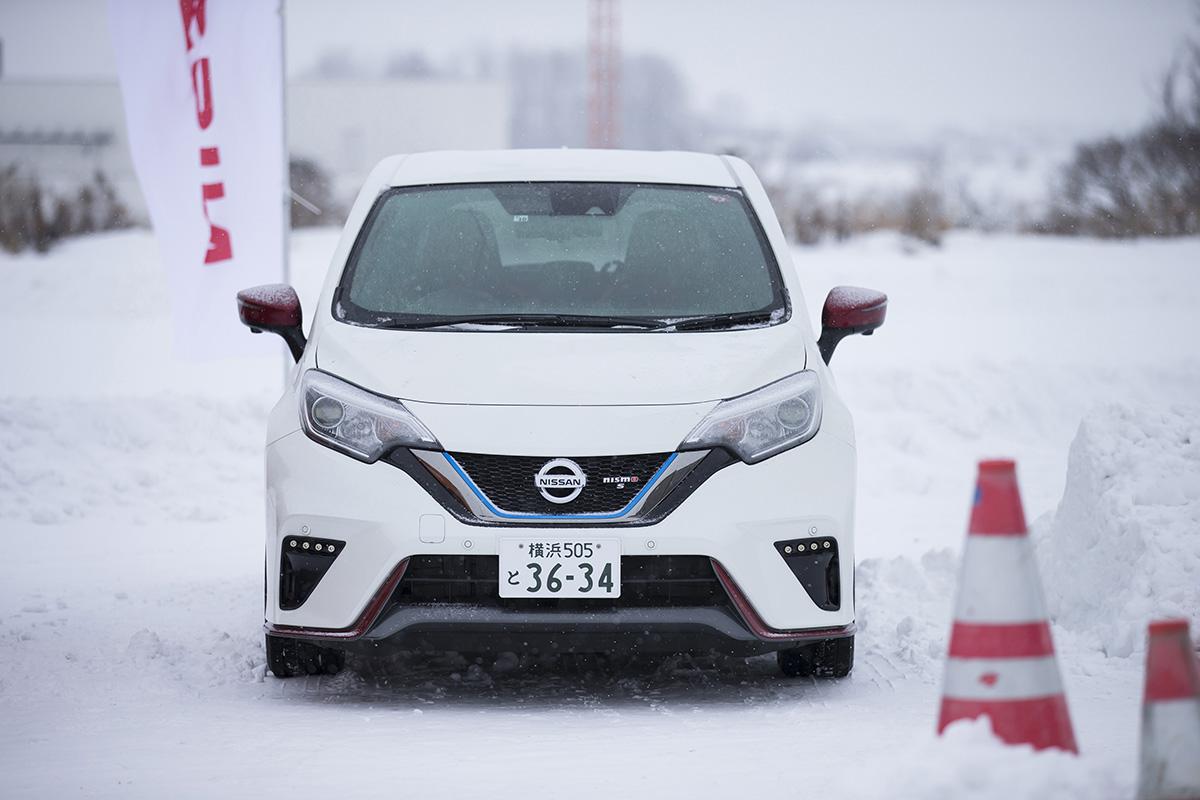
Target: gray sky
1060,67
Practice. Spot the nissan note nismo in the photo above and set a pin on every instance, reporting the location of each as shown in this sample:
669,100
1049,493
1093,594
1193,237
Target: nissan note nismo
561,401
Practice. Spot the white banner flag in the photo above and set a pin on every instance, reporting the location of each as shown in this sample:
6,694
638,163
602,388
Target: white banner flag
202,82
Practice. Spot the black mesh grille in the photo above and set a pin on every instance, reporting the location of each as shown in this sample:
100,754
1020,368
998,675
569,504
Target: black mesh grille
646,581
508,481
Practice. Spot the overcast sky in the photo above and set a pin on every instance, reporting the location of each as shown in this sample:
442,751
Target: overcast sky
1063,67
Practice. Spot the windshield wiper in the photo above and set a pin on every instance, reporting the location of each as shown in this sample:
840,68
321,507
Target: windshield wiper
530,321
713,322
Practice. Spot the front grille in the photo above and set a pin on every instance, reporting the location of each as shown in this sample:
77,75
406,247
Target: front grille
508,482
646,582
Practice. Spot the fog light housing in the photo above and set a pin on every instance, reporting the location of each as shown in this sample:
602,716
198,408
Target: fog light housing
302,564
815,564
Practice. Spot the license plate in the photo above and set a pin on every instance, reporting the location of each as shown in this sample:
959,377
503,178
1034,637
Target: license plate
531,567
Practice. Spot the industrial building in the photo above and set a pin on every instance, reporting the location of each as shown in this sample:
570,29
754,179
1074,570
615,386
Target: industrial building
64,131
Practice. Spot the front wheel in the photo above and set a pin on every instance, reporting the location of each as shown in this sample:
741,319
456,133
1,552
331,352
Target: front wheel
290,658
824,658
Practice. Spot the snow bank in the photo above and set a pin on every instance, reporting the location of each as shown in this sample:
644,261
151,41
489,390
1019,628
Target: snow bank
904,610
997,346
1124,545
969,762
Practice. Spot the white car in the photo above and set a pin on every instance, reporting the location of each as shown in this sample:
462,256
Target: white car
561,401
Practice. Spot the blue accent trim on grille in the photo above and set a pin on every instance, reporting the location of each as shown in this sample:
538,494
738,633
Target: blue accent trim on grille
510,515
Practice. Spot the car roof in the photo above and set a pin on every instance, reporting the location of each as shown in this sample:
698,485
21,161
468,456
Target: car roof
618,166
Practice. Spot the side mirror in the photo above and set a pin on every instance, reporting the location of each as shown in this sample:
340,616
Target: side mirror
849,310
275,308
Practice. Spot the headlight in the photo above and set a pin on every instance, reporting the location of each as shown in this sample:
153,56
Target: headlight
764,422
358,423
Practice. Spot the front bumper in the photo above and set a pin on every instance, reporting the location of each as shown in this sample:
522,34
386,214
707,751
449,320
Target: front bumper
735,518
640,630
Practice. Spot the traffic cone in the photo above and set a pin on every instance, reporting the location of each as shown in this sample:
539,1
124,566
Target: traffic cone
1170,763
1001,661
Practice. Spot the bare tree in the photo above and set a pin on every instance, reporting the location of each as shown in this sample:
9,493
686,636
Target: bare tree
32,216
1180,93
1147,184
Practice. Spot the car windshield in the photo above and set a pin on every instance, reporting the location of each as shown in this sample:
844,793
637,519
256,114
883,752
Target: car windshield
564,255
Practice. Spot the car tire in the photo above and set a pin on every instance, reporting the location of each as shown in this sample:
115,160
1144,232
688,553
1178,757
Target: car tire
826,658
289,658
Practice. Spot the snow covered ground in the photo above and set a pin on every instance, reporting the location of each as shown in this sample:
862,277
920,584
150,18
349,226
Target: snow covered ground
131,661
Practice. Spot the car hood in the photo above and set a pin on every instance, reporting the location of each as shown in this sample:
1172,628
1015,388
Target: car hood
511,367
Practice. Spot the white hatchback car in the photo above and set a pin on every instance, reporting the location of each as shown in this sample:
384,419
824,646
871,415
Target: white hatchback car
561,401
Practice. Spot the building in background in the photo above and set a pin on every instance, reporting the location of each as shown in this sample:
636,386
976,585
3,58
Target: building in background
347,125
65,131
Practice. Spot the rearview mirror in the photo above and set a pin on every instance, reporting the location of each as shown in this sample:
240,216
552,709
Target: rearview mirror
275,308
849,310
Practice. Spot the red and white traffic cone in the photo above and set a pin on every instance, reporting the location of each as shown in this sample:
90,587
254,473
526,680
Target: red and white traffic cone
1001,661
1170,764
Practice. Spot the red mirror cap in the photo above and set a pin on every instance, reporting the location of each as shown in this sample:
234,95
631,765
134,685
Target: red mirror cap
269,307
853,307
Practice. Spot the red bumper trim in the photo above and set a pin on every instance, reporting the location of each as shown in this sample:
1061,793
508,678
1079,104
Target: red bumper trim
761,629
364,622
